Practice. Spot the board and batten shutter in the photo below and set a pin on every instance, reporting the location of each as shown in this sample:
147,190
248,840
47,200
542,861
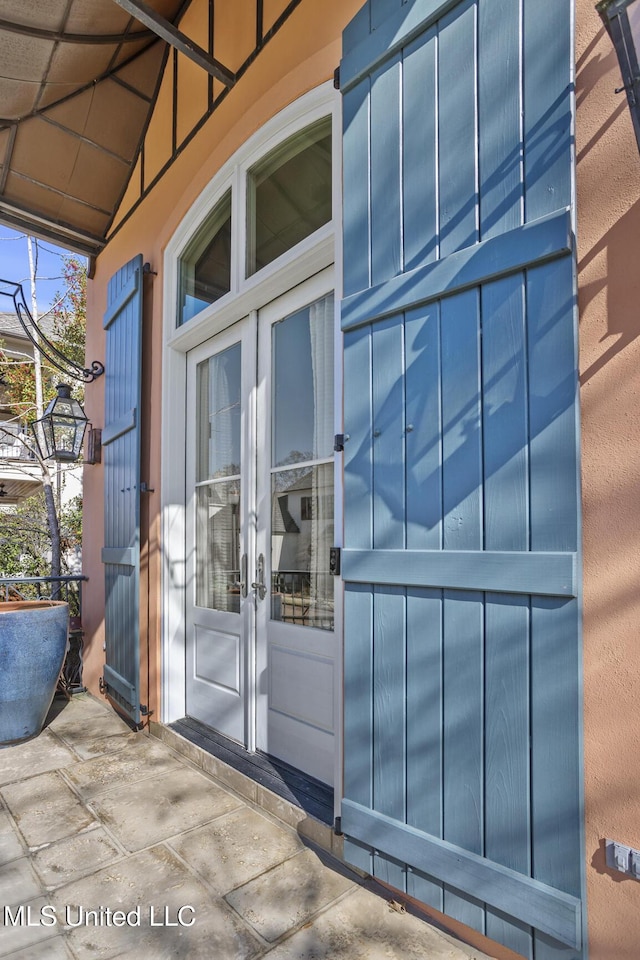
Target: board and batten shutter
462,722
121,459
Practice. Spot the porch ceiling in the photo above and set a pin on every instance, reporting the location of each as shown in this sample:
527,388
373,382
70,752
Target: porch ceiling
78,79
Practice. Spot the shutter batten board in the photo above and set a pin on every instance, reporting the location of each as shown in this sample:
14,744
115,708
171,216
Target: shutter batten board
550,911
124,556
538,574
119,427
117,305
121,686
526,246
395,32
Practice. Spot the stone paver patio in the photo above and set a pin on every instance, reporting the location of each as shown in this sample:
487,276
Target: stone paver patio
114,845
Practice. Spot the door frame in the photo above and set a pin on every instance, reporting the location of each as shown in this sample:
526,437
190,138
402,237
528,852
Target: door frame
318,252
243,333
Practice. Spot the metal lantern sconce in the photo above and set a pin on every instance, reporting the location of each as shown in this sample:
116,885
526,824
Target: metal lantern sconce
60,431
622,21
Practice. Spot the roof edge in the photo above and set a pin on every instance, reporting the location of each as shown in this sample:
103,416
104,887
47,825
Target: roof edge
62,234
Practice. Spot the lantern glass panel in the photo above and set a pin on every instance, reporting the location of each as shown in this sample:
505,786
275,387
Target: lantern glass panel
67,436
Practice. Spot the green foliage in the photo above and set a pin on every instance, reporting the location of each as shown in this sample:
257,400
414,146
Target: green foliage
70,519
70,317
25,541
25,544
68,321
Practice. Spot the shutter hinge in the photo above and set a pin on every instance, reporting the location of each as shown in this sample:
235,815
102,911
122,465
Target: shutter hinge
147,271
339,441
334,561
145,488
336,78
144,710
337,826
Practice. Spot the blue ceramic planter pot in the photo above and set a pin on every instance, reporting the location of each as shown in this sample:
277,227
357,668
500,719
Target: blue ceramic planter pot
33,641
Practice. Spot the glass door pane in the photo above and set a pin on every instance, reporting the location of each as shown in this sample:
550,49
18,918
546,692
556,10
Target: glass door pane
302,467
218,487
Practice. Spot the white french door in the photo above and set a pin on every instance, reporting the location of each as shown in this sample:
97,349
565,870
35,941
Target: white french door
219,608
261,637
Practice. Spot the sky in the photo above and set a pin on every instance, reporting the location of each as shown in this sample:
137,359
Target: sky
14,266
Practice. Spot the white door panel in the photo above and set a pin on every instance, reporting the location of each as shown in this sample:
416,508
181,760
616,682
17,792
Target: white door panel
219,621
296,647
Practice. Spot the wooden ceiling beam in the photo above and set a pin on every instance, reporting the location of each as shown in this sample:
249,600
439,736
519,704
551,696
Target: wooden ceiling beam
163,28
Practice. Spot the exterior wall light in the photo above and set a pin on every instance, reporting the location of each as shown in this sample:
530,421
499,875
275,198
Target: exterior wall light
60,431
622,20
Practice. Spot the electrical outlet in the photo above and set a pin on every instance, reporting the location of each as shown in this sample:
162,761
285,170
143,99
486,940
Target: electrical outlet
622,858
618,856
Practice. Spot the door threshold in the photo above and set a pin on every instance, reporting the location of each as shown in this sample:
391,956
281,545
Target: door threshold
299,800
303,791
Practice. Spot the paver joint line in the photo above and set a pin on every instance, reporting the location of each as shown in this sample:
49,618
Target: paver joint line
124,822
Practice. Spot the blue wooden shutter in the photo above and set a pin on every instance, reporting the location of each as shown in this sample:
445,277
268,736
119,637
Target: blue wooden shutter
462,730
121,458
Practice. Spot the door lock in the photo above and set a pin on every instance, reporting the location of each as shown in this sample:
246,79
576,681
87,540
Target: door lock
259,584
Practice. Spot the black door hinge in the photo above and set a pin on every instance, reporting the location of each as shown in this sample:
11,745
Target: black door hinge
336,78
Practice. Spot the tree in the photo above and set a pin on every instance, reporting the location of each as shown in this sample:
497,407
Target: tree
24,539
28,387
67,325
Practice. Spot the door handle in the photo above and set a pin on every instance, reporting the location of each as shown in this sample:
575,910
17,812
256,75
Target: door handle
259,584
242,582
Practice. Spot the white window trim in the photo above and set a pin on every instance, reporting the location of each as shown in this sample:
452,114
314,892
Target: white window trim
248,293
307,258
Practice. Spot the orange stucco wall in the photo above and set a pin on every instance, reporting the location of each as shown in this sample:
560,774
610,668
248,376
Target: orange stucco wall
302,55
608,185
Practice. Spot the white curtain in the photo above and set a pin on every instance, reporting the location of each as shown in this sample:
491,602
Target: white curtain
217,537
321,329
